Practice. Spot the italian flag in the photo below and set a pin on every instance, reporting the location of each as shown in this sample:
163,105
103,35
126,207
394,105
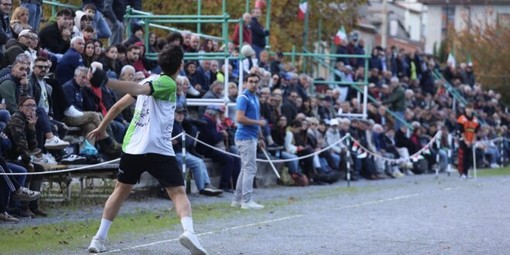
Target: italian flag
303,6
340,36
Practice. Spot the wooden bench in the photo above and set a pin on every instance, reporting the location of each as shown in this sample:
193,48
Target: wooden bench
95,181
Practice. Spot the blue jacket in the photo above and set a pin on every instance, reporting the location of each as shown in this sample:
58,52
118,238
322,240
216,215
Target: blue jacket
67,64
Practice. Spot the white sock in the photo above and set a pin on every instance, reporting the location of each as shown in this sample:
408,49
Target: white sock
102,232
187,224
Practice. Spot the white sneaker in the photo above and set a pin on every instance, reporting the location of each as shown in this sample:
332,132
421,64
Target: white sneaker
235,204
494,165
25,194
47,159
97,245
189,240
192,91
55,143
251,205
73,112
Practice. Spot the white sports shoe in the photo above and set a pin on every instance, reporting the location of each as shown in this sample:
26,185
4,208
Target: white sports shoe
73,112
251,205
189,240
44,159
97,245
192,91
235,204
55,143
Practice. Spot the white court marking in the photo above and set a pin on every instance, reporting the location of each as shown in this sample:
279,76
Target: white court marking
266,221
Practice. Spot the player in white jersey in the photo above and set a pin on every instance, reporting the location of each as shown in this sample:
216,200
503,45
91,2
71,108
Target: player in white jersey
147,145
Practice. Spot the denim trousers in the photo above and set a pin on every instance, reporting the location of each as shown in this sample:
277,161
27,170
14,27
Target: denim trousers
197,167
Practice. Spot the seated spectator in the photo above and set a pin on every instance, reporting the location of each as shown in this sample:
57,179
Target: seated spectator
21,132
249,59
215,92
51,36
211,135
20,46
81,21
98,21
196,164
196,79
70,60
111,65
88,121
137,33
19,21
88,53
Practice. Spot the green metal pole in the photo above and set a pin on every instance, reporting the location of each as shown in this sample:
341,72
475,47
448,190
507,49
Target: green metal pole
247,6
319,45
199,13
293,56
53,8
268,22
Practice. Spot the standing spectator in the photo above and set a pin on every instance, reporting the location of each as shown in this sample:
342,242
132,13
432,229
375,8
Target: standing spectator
137,33
258,32
35,12
396,100
114,11
19,20
467,127
247,134
246,31
70,60
5,25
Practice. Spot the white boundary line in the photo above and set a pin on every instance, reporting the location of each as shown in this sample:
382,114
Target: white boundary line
208,233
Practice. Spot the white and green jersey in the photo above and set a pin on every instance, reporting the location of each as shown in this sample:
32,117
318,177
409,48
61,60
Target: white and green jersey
150,130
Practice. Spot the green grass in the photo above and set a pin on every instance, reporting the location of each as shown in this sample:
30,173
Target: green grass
55,237
493,172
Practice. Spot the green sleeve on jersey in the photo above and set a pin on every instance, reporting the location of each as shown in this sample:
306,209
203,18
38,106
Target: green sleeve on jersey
164,88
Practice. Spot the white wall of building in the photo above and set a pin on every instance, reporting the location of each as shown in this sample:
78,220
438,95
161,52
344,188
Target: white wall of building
433,21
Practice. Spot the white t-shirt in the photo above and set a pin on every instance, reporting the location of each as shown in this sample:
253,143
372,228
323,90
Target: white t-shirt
150,130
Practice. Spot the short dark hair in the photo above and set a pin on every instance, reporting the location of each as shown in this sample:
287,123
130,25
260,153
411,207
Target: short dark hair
45,59
65,12
170,59
121,48
251,75
296,124
131,47
89,6
175,36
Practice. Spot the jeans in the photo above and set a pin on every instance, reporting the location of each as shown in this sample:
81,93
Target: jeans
244,187
42,126
34,17
21,179
197,167
4,118
293,165
118,130
399,121
443,159
102,28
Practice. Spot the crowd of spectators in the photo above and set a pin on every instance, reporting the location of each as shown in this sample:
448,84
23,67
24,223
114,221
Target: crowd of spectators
44,89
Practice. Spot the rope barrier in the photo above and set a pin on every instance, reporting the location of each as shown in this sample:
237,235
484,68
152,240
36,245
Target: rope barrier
76,168
278,160
357,143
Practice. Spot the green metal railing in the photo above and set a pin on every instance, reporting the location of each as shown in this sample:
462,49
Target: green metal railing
452,90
